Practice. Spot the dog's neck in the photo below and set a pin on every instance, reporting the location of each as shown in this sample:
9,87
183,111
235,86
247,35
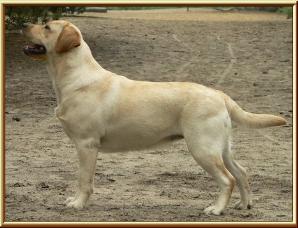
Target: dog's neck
72,70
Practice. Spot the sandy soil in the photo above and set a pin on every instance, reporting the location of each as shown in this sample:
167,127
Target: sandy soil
251,60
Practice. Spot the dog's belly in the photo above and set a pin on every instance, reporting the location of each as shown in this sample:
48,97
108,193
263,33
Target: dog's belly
123,139
122,146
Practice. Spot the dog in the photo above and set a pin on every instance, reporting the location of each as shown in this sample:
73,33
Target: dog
100,110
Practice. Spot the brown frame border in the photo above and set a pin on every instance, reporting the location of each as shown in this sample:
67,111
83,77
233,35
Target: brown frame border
137,224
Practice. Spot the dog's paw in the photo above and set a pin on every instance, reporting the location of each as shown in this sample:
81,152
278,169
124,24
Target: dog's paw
213,210
240,206
75,202
69,199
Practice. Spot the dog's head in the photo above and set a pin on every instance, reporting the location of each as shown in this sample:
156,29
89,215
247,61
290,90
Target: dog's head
54,37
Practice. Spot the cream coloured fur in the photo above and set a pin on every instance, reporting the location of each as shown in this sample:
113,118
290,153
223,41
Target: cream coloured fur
100,110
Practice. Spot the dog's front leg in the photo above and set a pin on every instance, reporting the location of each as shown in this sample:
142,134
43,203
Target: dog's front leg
87,153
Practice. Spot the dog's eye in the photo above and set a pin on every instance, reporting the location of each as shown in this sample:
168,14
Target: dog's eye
47,27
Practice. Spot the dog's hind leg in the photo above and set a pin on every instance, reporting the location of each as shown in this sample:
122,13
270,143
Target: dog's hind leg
87,153
205,138
241,178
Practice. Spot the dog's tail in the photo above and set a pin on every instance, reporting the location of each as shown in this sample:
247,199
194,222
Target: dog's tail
251,120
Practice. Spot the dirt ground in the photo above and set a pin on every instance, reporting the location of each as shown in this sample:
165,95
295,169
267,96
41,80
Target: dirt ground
247,55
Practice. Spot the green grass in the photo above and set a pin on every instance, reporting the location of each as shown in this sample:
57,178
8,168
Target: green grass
286,10
141,8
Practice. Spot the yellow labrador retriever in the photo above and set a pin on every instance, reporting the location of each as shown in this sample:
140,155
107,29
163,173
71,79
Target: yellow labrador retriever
100,110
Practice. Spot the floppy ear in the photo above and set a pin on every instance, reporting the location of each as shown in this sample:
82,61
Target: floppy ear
68,39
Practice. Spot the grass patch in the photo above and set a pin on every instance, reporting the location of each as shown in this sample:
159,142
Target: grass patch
141,8
286,10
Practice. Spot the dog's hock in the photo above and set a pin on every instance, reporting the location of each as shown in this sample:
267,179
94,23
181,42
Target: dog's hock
68,39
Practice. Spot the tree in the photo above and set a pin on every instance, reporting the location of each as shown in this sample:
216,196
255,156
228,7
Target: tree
15,16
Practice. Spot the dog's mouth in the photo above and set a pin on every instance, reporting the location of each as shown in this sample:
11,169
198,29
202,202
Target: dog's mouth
34,49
